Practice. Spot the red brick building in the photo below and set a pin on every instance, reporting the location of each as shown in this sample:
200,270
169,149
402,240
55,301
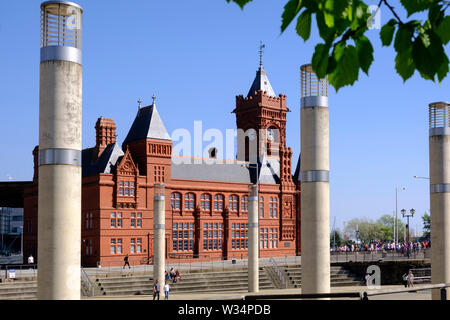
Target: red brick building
206,203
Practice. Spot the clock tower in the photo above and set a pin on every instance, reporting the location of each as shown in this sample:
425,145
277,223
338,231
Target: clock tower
260,120
261,139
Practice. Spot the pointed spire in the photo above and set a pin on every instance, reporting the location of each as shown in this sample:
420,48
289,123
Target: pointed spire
261,81
147,124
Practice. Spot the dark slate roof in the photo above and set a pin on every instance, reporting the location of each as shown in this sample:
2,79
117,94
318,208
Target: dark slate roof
270,170
297,176
147,124
106,163
221,171
261,82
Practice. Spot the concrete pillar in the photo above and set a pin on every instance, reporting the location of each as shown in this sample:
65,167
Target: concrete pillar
315,188
439,148
159,228
60,104
253,241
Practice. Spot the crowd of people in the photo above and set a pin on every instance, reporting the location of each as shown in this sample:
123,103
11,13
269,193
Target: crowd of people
173,275
384,246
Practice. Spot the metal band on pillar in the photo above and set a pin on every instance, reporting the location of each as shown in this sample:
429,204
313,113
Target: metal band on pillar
59,157
160,226
61,53
440,188
441,131
315,176
314,101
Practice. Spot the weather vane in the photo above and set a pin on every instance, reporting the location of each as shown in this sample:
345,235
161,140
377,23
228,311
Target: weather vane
261,47
140,102
154,99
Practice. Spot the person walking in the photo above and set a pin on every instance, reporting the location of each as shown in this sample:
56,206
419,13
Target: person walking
156,290
30,259
410,279
166,291
126,262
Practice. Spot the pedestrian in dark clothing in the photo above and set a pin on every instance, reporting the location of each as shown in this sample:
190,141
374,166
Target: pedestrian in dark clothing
126,262
156,290
405,279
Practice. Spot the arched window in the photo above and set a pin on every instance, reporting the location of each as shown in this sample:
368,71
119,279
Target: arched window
205,202
233,202
273,206
218,202
244,203
175,200
189,201
261,207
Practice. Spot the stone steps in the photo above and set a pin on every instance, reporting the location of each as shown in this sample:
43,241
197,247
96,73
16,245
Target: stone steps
190,282
18,290
339,277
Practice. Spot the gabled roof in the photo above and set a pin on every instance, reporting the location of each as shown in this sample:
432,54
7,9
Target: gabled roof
261,82
106,163
147,124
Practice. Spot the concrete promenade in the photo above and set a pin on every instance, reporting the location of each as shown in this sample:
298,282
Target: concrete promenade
419,295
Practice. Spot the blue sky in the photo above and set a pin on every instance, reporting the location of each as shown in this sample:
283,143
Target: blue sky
196,56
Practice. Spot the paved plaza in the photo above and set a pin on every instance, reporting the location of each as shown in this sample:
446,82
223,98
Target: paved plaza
419,295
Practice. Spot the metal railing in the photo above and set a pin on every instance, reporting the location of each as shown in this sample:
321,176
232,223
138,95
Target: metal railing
85,279
421,274
279,273
385,255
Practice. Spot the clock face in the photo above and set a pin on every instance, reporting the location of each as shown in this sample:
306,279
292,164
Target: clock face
251,135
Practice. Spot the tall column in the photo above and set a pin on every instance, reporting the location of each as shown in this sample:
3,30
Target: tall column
253,243
439,148
315,188
60,104
159,228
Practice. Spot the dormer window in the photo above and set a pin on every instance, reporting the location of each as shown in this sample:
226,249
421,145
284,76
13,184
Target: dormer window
127,188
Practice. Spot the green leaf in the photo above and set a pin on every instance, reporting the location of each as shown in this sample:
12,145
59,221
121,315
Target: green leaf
404,64
422,59
304,25
443,30
326,33
241,3
413,6
365,53
403,38
291,9
443,69
329,19
387,32
347,68
320,60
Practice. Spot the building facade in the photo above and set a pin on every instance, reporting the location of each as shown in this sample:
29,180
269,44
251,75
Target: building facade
206,199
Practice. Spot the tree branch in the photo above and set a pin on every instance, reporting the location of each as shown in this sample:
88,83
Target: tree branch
392,10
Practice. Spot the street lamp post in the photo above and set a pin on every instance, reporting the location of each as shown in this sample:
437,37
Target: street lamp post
396,215
404,214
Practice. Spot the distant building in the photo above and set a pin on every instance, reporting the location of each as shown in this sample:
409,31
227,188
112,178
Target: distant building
206,204
11,221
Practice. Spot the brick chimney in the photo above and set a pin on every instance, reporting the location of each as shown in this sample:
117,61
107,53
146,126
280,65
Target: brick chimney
105,129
